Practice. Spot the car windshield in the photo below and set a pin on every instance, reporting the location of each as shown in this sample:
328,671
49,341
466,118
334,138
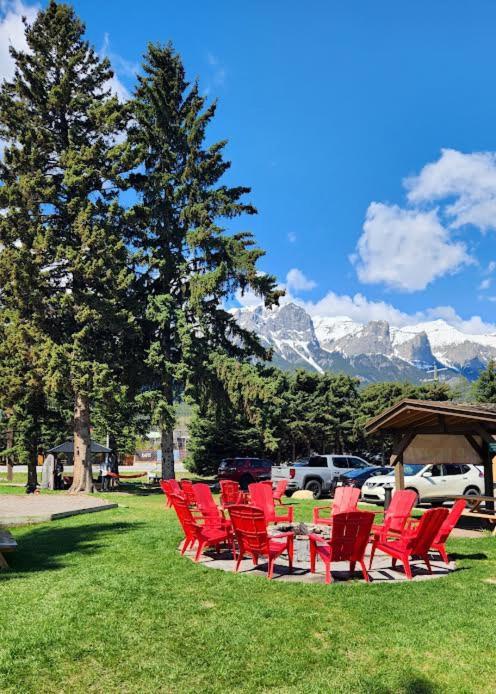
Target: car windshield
359,464
412,469
300,462
355,473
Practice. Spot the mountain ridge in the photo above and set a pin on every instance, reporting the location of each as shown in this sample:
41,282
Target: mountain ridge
372,351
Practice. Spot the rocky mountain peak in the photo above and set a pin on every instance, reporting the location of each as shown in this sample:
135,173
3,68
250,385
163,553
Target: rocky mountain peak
373,351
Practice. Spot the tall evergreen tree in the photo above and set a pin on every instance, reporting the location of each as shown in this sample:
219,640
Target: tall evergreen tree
189,264
484,388
64,263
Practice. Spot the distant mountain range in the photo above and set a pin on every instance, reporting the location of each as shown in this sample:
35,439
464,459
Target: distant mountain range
374,351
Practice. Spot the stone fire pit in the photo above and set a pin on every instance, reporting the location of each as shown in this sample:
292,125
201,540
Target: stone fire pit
301,543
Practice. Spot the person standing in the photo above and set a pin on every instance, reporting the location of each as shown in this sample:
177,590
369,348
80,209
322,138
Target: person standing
104,470
59,471
114,469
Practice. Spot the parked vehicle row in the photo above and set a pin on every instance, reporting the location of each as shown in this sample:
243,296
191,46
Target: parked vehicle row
322,474
317,473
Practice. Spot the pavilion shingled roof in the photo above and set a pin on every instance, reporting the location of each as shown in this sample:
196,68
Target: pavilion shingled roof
411,413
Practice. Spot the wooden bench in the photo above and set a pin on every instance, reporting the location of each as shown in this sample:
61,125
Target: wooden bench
474,510
7,544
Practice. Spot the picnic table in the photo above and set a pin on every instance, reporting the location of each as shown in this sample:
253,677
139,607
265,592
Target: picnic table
7,544
474,509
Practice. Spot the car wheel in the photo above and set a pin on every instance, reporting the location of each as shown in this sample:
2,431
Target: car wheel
471,491
417,500
315,487
245,481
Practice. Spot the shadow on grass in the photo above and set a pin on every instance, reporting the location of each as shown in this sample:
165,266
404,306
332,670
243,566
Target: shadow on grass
475,556
42,549
419,685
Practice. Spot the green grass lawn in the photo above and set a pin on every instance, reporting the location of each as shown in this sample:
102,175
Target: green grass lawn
104,603
19,477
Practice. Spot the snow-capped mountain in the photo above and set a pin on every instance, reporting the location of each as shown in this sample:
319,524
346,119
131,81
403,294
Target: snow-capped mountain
374,351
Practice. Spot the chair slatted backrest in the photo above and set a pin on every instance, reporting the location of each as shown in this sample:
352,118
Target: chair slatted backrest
350,535
187,488
399,509
250,528
280,489
229,492
261,497
204,499
429,526
184,515
345,500
170,487
451,521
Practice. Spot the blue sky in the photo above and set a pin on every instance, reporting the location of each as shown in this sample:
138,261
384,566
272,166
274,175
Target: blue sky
367,131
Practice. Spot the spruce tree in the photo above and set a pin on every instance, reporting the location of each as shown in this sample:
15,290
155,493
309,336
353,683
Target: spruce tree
189,264
64,263
484,388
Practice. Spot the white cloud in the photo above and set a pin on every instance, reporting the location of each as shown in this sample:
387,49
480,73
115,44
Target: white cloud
485,284
292,237
362,310
119,64
295,279
12,32
468,180
218,71
248,299
491,267
405,249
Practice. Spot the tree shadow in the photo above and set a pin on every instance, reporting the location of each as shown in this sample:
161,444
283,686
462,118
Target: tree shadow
43,549
475,556
413,683
419,684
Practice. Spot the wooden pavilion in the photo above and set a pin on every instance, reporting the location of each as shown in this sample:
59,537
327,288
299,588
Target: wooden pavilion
427,431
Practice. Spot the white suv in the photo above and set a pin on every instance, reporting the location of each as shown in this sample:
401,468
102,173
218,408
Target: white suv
429,482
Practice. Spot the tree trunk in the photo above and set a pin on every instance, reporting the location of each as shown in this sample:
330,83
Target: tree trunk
83,476
167,446
10,457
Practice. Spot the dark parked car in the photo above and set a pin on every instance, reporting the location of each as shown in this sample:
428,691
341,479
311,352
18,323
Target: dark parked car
356,478
245,470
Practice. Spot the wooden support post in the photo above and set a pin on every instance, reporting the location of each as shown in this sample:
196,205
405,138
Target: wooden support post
399,473
488,476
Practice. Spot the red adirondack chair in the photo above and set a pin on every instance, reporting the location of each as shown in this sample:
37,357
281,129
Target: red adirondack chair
250,528
397,515
205,535
350,536
416,542
261,497
439,544
170,487
278,492
230,493
210,512
187,488
345,501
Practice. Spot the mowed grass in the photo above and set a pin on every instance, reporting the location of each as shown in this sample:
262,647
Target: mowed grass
104,603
